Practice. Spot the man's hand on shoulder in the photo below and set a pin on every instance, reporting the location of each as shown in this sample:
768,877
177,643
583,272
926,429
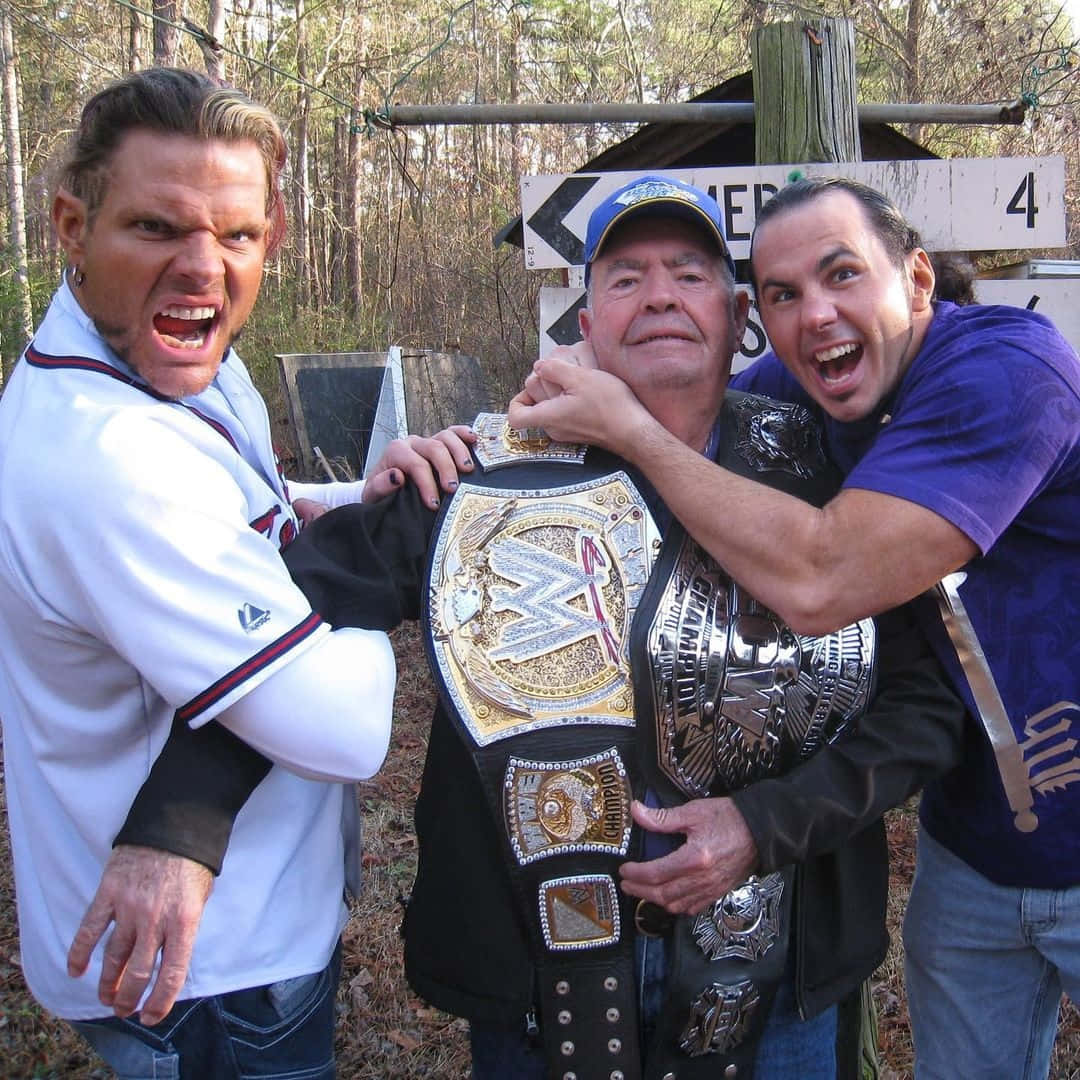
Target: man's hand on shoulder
156,900
719,853
431,463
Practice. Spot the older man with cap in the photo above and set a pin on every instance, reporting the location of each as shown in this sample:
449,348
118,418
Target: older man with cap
607,690
609,693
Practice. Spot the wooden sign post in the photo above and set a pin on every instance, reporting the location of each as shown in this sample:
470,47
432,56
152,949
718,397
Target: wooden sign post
804,92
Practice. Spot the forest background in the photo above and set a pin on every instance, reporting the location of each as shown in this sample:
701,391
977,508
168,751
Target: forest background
391,244
391,232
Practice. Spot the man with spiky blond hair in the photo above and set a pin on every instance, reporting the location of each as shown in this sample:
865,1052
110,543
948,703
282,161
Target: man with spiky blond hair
142,513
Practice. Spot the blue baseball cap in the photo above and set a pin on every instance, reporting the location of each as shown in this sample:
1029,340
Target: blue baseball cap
654,196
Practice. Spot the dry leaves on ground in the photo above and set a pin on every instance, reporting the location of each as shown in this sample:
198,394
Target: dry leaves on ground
384,1031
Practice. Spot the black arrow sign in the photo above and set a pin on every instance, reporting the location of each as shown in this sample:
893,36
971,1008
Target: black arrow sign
547,222
565,330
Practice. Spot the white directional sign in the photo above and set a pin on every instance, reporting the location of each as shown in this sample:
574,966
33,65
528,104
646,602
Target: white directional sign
1056,298
962,204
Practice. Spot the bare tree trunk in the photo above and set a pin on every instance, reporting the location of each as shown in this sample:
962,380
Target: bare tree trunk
633,60
16,209
321,223
302,200
243,10
213,54
135,41
338,274
167,15
516,36
355,221
912,73
477,135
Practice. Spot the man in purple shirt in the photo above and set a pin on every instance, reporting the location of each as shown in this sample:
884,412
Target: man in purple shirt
958,430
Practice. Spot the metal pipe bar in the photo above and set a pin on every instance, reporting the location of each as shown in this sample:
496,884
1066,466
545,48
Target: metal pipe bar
1013,113
686,112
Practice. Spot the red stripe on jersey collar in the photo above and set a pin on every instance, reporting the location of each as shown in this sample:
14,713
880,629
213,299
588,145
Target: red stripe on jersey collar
99,367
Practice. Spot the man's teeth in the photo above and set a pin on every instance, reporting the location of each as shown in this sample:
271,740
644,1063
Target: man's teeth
835,353
186,327
197,313
188,341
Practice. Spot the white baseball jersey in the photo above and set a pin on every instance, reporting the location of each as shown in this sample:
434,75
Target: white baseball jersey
140,578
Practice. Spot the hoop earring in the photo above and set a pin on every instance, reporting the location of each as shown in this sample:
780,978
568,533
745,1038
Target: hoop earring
78,277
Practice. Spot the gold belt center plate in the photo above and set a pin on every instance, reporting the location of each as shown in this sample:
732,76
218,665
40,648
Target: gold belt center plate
532,595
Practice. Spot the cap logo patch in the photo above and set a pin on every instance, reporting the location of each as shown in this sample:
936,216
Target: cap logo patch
655,189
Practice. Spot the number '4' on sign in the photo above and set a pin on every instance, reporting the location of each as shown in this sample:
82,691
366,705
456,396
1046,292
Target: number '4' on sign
1023,200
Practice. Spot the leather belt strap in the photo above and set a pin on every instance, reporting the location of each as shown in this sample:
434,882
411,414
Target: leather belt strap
580,924
589,1015
715,1009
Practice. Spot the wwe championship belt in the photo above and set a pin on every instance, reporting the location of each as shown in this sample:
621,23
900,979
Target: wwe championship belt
542,592
535,576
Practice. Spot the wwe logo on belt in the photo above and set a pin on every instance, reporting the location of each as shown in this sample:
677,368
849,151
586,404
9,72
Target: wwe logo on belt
532,594
547,586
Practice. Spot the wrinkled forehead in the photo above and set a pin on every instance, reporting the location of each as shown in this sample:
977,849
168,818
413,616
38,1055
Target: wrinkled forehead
172,165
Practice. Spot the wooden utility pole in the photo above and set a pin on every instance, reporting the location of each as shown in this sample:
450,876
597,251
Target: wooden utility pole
804,92
805,110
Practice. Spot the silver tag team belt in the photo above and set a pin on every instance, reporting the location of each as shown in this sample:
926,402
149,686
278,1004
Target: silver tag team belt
728,694
735,694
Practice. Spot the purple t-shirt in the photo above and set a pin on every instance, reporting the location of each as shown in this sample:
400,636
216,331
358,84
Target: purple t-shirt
984,429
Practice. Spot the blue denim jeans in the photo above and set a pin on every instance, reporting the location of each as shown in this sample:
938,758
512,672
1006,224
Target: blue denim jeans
985,966
282,1031
789,1047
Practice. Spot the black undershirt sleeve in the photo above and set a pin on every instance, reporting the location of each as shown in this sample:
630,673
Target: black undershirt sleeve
196,787
911,732
359,565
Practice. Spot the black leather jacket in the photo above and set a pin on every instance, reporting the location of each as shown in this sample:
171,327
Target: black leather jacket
465,949
467,953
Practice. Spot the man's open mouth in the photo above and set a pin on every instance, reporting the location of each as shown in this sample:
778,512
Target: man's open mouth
185,327
837,363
